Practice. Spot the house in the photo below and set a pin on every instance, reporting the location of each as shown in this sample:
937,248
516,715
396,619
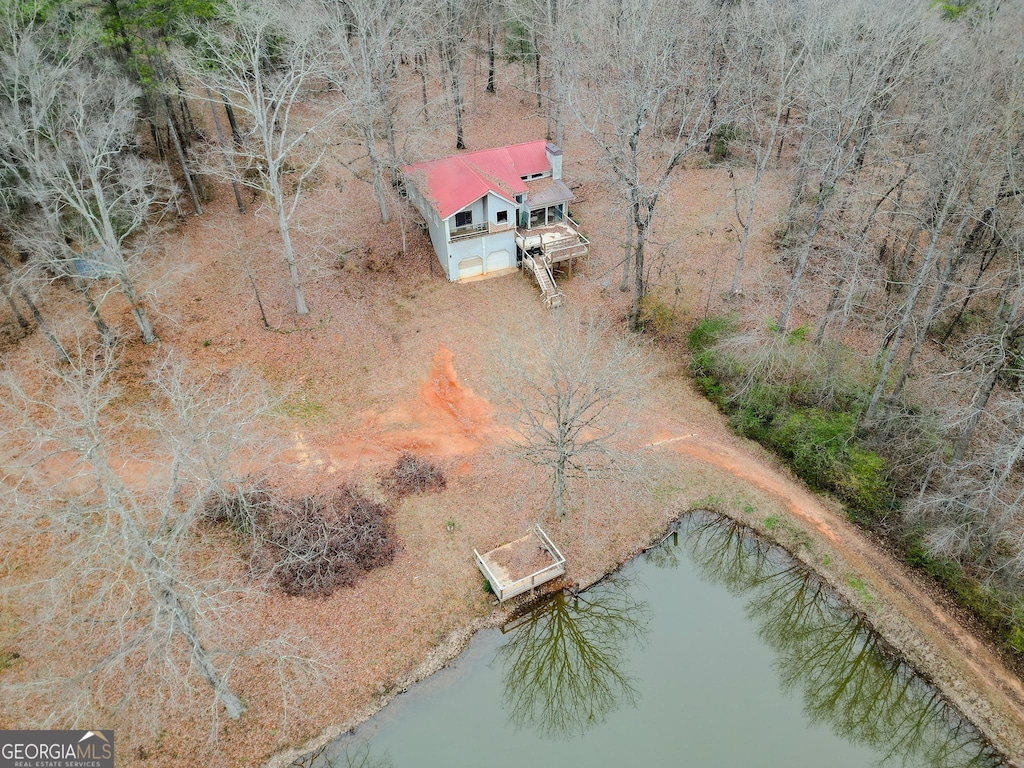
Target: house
491,211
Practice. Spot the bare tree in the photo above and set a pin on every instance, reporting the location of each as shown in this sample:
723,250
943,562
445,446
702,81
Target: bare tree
371,37
79,203
960,137
767,51
969,510
855,70
450,27
550,23
569,390
145,619
265,59
641,90
113,197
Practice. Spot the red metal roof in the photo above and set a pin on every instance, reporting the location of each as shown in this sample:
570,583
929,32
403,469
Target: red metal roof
452,183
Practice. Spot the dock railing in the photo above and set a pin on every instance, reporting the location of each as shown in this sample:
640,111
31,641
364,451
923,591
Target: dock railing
526,583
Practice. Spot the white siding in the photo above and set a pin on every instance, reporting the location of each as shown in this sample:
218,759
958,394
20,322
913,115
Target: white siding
435,225
495,204
449,254
478,246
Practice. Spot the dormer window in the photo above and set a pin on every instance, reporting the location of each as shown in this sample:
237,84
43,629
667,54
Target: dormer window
463,219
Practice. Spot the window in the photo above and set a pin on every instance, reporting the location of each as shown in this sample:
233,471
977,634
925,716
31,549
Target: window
537,218
501,217
464,219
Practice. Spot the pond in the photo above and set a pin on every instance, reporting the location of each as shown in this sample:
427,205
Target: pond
713,649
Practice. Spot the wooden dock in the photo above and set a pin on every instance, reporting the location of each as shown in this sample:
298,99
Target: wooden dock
521,565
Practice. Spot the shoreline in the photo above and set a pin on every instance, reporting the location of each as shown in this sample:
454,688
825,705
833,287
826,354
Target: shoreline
905,640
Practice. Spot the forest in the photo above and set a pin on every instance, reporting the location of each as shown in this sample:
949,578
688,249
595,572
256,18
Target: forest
208,262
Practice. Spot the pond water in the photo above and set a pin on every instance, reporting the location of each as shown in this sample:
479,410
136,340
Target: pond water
713,649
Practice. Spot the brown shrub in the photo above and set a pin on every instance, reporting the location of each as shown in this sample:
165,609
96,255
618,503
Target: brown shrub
413,475
381,263
312,545
316,544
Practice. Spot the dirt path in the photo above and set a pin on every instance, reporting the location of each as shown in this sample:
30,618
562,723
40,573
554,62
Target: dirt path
968,672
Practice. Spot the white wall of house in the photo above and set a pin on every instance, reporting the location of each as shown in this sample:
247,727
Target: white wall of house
479,255
477,209
496,204
436,226
495,251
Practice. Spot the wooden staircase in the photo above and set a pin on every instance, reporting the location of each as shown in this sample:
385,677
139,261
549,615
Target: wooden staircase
546,280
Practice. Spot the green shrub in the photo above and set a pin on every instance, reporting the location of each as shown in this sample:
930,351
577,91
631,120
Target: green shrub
822,449
710,331
721,138
812,423
999,609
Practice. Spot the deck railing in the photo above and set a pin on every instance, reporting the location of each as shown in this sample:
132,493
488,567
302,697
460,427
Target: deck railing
557,568
474,230
545,574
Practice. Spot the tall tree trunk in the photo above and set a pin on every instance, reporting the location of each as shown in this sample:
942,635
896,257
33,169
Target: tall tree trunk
642,219
904,324
490,58
1006,349
453,64
627,256
991,536
537,78
801,265
138,311
9,295
559,491
925,324
799,182
236,136
421,69
106,335
173,131
978,403
375,169
972,290
745,223
169,600
289,251
224,148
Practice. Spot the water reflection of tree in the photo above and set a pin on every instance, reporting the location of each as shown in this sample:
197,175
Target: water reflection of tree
848,677
564,659
348,755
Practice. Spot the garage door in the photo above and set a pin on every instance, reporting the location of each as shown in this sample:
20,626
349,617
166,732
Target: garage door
471,267
499,260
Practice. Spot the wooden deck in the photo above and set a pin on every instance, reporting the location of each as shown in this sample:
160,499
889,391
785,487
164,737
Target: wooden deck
521,565
543,247
556,242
